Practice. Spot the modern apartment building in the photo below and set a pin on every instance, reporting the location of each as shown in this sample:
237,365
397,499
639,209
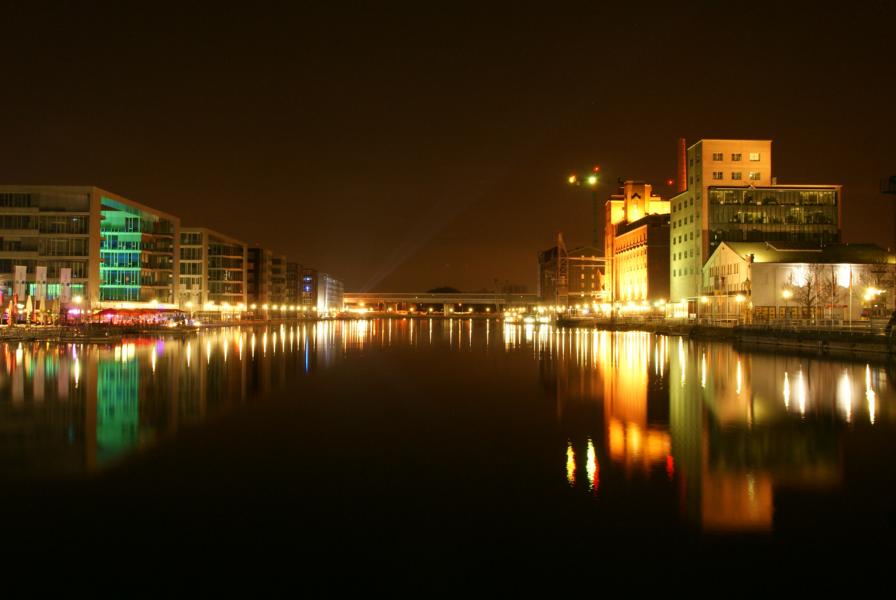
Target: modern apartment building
732,196
213,269
278,279
636,244
293,283
82,242
259,275
321,292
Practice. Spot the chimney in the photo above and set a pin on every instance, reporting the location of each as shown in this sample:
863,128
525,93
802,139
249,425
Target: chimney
682,171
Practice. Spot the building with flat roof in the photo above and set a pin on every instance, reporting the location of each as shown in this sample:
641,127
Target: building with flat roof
279,292
213,269
85,243
636,244
732,196
321,292
258,275
585,265
293,283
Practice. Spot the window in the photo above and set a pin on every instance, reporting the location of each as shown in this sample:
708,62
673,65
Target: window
717,156
736,156
754,175
754,156
716,174
736,175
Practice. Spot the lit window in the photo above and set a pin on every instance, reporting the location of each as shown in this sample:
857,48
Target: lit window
754,156
736,156
754,175
736,175
717,156
716,174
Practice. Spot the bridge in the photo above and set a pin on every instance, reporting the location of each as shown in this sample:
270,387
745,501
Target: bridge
448,301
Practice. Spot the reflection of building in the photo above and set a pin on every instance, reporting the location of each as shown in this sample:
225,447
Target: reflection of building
212,268
114,249
637,436
739,430
768,280
117,406
637,244
732,196
320,291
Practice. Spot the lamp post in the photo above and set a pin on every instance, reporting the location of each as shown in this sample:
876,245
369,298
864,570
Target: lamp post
78,300
787,295
739,299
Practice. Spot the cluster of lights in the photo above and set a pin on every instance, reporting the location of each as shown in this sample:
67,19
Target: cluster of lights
872,293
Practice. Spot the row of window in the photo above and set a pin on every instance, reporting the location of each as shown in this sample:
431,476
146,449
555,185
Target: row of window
737,175
731,269
735,156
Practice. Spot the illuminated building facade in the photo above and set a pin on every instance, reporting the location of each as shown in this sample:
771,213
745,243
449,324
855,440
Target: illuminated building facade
321,292
732,196
212,268
111,249
636,243
762,281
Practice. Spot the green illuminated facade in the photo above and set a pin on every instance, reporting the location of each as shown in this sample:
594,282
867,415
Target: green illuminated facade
115,250
138,251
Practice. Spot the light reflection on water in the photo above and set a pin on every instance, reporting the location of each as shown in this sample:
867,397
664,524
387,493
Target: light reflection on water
719,428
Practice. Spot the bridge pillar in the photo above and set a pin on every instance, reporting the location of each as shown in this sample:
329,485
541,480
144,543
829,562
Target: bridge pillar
447,309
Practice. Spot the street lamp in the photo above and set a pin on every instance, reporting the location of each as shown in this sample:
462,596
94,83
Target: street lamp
787,295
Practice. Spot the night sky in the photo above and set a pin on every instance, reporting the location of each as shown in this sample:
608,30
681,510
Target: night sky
407,147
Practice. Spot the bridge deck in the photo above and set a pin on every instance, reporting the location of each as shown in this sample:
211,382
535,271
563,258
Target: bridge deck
425,298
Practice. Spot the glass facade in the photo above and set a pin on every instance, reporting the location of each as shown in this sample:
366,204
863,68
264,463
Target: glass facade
212,269
136,254
773,214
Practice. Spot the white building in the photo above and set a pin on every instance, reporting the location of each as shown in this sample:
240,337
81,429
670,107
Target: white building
764,281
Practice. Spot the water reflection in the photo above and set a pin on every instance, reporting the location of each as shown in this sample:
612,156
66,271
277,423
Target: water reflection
713,431
725,429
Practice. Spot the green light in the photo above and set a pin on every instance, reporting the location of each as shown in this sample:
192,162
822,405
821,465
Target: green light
592,180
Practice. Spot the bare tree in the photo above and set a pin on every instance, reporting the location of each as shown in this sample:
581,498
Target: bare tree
828,287
805,290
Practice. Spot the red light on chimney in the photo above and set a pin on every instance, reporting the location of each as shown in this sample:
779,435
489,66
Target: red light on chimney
670,182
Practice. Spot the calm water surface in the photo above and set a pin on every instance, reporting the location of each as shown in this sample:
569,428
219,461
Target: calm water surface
469,432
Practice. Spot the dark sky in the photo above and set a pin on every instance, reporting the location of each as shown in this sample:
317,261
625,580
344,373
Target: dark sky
406,147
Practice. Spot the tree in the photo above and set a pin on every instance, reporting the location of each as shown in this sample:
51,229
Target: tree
805,285
829,290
